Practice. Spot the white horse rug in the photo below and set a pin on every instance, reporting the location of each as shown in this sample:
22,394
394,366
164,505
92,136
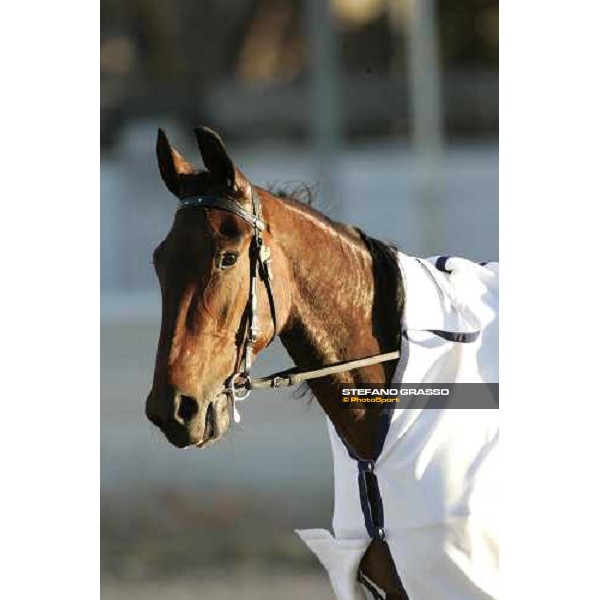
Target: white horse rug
437,468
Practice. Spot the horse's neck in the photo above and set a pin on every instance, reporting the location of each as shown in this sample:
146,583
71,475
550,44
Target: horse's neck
337,313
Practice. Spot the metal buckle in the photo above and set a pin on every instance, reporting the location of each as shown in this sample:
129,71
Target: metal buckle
265,253
230,385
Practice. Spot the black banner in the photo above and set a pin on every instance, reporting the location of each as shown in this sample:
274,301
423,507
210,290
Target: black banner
421,395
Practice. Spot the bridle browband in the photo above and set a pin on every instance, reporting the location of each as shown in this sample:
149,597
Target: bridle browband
230,206
260,267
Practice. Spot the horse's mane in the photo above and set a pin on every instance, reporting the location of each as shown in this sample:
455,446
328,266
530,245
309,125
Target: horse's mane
294,190
389,285
387,272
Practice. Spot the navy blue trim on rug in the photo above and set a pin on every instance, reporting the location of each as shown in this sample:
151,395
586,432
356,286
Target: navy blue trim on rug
364,505
461,337
440,264
370,499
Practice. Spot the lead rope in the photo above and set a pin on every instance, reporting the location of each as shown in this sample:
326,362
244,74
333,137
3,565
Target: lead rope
294,376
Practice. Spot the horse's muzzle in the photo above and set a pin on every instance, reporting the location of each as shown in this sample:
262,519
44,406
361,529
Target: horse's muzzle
186,421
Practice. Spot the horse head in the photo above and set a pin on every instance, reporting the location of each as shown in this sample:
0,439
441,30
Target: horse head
204,270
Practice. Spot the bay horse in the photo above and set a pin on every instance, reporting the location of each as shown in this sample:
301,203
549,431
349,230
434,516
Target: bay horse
241,266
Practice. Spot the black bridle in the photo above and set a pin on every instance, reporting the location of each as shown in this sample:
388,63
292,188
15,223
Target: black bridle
260,268
239,385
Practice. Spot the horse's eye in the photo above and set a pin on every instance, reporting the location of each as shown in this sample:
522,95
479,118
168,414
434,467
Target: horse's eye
229,259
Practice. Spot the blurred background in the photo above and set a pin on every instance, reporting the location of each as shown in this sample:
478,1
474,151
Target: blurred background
388,111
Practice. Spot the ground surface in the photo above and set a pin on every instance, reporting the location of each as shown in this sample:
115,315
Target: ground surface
249,587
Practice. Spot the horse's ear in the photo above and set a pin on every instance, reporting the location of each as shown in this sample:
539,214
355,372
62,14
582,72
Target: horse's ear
215,156
173,167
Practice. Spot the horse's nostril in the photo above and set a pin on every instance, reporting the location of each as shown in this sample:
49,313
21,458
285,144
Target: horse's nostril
187,408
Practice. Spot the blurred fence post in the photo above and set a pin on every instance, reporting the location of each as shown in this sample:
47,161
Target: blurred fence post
417,19
324,106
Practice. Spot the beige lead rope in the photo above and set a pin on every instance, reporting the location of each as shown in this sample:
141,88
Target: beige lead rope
293,376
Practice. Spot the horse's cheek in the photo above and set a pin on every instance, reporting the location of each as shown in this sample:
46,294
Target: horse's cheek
220,300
